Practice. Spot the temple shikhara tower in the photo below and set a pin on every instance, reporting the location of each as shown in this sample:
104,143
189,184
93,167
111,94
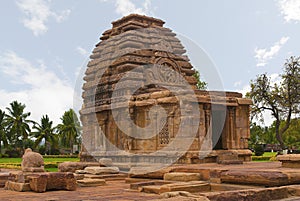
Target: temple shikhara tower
142,105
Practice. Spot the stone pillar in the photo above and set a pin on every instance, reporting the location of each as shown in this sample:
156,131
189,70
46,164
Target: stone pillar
232,132
207,114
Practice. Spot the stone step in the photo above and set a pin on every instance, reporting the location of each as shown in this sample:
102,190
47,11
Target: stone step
182,176
107,177
91,182
192,187
101,170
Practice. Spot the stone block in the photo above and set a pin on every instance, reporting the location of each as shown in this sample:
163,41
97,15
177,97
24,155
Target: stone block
264,178
73,166
205,173
38,183
182,176
183,195
15,186
192,187
149,172
52,181
106,162
102,170
4,177
78,176
290,160
61,181
91,182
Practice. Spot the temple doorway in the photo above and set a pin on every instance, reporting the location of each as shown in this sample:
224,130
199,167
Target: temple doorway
218,122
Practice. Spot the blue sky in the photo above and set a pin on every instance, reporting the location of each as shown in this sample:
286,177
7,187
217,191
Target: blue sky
45,44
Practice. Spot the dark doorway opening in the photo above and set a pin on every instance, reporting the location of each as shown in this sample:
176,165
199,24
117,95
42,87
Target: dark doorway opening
218,123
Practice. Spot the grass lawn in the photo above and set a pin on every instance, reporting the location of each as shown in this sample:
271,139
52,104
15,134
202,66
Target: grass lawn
16,162
270,154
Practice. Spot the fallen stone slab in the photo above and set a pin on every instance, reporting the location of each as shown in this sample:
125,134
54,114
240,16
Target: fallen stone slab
130,180
73,166
205,173
263,178
101,170
107,177
192,187
15,186
182,176
182,198
91,182
259,194
149,172
184,194
136,186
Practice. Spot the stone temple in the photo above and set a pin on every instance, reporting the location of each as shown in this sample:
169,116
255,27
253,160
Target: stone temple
142,105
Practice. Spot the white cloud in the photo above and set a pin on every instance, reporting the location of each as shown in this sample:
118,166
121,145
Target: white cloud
41,90
126,7
82,51
290,9
37,14
263,55
237,83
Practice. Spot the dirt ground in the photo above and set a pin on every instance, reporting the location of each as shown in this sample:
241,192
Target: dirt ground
113,190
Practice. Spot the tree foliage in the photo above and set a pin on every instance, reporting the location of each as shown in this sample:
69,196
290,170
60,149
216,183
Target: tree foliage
45,131
3,138
69,129
200,84
282,100
18,132
18,124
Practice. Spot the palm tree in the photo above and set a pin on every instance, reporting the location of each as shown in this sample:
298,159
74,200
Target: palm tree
69,130
45,131
3,138
17,123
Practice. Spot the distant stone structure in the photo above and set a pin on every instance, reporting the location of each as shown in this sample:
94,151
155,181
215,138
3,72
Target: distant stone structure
131,76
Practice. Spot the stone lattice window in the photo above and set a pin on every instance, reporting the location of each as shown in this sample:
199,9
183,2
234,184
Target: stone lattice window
164,136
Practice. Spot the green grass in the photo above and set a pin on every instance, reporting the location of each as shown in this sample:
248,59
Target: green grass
270,154
53,162
51,169
266,157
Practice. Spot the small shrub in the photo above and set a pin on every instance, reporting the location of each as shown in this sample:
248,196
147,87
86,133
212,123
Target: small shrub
258,150
261,158
50,165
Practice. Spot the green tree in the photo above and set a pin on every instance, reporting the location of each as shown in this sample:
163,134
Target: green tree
18,124
261,135
69,129
200,84
45,131
3,138
282,100
292,135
